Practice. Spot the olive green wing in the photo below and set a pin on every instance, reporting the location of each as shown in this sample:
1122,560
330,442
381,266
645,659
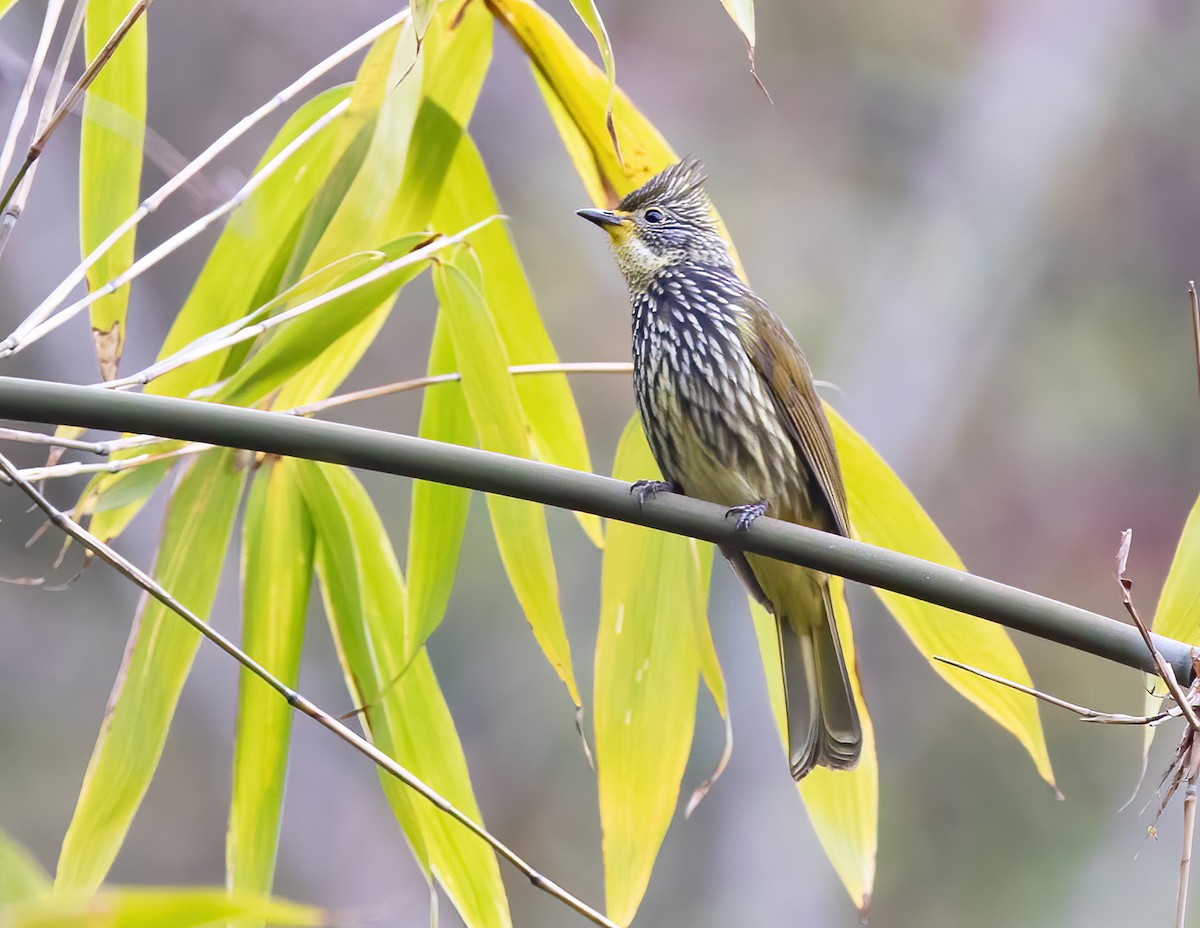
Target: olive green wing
781,364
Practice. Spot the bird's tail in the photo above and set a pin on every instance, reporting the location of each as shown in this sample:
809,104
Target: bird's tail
823,725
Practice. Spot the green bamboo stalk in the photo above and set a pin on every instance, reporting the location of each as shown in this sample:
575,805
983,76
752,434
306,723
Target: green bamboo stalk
367,449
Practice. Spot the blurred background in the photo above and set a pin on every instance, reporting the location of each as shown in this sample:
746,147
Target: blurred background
977,217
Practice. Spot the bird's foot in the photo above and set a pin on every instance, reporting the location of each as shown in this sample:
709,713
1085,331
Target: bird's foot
747,514
648,489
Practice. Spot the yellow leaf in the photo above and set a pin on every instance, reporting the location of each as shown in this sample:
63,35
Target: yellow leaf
403,708
21,876
653,596
154,907
843,805
439,511
110,166
547,404
742,13
155,666
519,526
277,566
884,512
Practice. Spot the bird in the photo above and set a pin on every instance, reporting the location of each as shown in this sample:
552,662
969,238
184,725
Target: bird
731,414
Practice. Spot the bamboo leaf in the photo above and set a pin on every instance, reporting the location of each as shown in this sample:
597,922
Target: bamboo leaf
653,596
587,12
439,511
843,805
157,660
547,403
403,708
293,346
519,526
885,513
582,91
1178,612
422,12
142,907
21,876
277,567
224,291
406,175
458,52
742,13
110,165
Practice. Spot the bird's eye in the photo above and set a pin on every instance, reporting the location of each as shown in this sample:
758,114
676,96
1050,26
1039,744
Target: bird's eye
654,216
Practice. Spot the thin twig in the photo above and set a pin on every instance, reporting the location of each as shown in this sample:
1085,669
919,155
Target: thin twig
1160,663
85,81
205,345
16,205
1088,715
420,383
151,586
75,469
14,343
152,202
1185,858
21,111
41,438
1195,302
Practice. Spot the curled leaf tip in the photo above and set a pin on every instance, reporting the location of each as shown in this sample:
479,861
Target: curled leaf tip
754,73
587,748
701,791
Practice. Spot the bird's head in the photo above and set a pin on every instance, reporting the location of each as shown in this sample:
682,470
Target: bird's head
666,221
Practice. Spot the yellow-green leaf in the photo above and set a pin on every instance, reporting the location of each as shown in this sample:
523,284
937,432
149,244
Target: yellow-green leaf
1178,611
1177,614
277,565
884,512
156,663
439,511
294,345
403,708
582,90
547,403
225,290
576,94
519,526
143,907
402,180
587,12
110,165
653,596
742,13
21,876
843,805
6,5
422,12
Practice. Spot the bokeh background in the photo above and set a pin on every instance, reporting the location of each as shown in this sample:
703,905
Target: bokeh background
979,218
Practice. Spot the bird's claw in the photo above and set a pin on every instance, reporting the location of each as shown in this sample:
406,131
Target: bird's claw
747,514
648,489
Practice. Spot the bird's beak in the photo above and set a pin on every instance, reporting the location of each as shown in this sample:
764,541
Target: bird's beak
601,217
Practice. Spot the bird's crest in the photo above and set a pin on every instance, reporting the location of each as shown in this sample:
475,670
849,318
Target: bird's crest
679,187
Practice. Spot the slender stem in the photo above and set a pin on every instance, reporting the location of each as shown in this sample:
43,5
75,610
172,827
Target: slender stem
13,343
293,698
16,205
152,202
21,110
274,433
206,344
420,383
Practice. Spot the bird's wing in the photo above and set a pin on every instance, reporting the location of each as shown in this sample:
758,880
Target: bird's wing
780,363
